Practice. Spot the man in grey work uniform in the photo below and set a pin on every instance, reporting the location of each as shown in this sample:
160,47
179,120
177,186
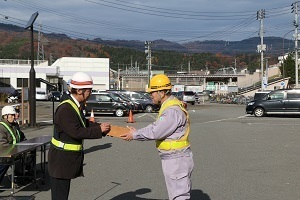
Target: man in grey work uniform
170,130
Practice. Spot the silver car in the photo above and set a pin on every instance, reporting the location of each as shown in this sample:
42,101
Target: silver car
186,96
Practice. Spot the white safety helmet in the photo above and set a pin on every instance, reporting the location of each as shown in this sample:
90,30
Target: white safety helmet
81,80
8,110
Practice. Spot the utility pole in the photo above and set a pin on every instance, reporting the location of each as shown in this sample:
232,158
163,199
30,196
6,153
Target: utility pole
262,47
40,53
267,69
148,58
296,36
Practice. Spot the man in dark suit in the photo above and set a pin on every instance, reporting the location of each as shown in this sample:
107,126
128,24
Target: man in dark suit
65,157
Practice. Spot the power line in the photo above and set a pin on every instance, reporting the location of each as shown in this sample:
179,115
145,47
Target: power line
237,29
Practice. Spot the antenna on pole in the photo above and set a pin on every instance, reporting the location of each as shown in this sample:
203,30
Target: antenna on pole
40,53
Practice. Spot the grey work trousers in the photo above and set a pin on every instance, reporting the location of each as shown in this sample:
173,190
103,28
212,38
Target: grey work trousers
177,172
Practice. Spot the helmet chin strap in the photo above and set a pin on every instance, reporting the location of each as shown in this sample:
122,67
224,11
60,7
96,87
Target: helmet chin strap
159,101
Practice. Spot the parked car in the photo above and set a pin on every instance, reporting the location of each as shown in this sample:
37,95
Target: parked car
54,95
276,102
200,97
134,106
41,96
106,103
210,93
145,102
186,96
174,93
260,94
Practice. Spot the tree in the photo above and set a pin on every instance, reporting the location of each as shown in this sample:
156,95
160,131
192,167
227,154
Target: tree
289,68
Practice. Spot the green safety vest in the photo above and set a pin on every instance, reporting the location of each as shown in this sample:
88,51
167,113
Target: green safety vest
67,146
15,140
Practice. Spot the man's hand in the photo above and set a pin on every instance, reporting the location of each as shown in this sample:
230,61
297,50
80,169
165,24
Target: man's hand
128,136
105,127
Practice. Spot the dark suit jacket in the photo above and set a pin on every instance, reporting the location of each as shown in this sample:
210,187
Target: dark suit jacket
68,164
65,96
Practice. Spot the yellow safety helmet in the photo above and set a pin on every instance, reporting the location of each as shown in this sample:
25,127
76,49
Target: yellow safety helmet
159,82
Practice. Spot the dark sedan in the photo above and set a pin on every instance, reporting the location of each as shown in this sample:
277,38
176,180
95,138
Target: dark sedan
106,103
54,95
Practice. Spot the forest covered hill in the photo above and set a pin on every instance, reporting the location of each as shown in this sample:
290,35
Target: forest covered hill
168,56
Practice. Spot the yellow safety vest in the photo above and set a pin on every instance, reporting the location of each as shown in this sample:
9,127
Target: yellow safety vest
15,140
174,144
67,146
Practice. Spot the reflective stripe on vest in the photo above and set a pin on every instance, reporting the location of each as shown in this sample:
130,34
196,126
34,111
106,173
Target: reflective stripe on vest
75,107
174,144
15,140
67,146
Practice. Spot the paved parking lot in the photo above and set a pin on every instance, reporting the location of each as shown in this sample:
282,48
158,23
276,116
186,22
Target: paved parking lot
237,156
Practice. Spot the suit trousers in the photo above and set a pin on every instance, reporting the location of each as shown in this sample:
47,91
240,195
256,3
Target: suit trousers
60,188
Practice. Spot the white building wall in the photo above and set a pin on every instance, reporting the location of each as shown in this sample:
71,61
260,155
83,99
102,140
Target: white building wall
97,68
15,71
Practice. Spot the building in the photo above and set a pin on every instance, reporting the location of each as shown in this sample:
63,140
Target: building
15,73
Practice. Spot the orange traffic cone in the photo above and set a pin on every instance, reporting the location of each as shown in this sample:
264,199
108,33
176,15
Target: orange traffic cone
92,118
130,117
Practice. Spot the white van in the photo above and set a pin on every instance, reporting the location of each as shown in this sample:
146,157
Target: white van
41,96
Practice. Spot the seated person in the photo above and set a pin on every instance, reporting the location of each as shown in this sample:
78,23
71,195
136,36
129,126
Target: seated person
10,133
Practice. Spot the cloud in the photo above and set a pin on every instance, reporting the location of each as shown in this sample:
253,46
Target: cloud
173,20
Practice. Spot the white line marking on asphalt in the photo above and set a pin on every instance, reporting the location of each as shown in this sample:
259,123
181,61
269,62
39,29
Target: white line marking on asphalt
146,114
243,116
220,120
141,116
273,124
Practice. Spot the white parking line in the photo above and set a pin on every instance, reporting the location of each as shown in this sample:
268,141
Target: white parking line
146,114
220,120
273,124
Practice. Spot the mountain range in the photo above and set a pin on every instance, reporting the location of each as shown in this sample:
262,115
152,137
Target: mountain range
274,45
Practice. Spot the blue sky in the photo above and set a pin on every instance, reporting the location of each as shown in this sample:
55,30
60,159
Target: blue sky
172,20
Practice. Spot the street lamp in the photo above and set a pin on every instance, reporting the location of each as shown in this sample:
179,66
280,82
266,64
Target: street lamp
283,70
32,83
